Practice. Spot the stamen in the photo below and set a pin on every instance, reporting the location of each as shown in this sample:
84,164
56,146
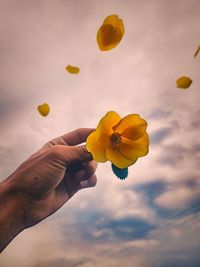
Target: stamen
115,139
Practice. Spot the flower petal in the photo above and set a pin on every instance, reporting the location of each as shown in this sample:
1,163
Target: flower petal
114,155
44,109
96,144
108,37
110,33
107,122
197,51
115,21
183,82
97,141
134,149
132,127
72,69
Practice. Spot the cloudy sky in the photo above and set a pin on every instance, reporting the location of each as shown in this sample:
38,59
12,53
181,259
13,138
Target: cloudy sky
152,218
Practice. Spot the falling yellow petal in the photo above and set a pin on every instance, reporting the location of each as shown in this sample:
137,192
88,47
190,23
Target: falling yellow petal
110,33
115,21
72,69
183,82
197,51
44,109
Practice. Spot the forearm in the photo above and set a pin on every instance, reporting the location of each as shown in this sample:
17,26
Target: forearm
11,214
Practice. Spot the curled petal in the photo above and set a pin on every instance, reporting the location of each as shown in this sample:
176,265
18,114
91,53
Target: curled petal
110,33
134,149
183,82
107,122
72,69
115,21
131,127
197,51
96,144
114,155
98,141
44,109
108,37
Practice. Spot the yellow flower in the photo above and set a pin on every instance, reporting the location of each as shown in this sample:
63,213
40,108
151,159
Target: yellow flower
110,33
72,69
119,140
183,82
44,109
197,51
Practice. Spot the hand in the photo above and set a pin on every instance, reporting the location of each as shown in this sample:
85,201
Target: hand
49,178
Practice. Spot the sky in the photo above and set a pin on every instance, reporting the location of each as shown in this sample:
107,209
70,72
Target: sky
152,218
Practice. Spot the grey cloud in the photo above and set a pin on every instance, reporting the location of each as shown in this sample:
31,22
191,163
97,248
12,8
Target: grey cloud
181,261
152,189
63,262
160,114
53,263
160,254
195,121
160,135
10,106
175,154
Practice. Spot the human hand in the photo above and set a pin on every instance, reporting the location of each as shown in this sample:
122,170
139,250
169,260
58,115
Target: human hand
51,176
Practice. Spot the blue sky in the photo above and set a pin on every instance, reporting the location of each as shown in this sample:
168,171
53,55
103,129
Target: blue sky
100,226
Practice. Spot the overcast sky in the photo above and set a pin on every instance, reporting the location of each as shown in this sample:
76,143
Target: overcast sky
100,226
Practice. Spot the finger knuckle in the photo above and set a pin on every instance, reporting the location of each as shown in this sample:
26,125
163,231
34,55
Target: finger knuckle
79,132
83,150
93,166
55,151
93,182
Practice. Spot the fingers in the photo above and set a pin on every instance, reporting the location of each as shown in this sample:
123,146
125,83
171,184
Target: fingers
82,178
72,154
86,177
77,136
90,182
86,171
73,138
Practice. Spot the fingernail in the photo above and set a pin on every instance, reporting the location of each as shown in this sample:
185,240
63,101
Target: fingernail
80,174
84,183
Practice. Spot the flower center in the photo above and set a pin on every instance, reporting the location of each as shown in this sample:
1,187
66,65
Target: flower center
115,139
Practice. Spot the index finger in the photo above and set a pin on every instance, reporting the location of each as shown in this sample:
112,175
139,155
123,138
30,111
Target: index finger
77,136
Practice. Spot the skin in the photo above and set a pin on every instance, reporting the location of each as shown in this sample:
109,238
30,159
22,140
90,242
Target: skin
44,183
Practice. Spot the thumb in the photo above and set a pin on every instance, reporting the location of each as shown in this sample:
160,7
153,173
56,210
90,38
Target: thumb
77,154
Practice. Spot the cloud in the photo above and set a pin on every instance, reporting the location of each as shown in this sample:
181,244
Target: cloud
160,135
164,245
158,113
126,228
152,189
38,39
177,154
176,198
62,262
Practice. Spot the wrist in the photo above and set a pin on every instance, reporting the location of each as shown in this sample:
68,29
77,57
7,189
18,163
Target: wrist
11,214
